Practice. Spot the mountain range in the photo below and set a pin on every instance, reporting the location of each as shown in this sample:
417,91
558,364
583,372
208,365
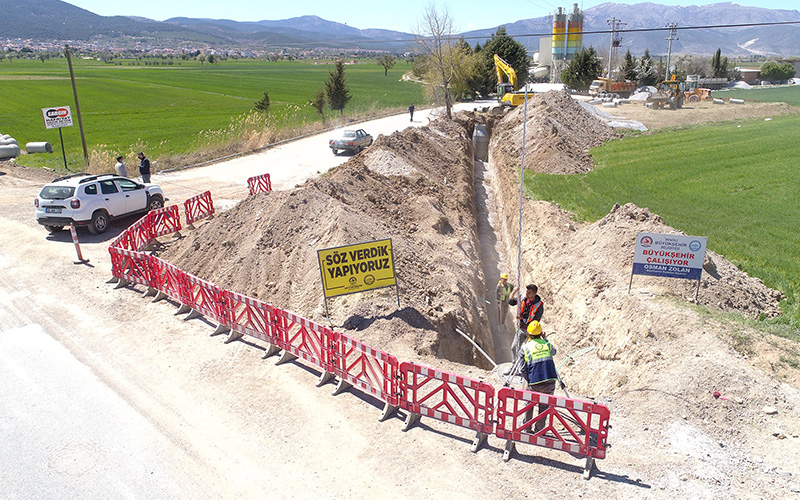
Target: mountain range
57,20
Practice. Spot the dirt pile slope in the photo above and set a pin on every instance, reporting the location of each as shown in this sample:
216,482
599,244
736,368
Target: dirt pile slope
415,187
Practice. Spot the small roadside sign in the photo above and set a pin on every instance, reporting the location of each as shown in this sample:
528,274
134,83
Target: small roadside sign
356,268
669,256
57,117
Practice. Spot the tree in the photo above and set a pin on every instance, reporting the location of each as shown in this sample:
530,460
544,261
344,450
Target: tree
582,69
774,72
211,58
262,105
201,58
433,36
387,61
509,50
336,89
646,70
628,68
318,103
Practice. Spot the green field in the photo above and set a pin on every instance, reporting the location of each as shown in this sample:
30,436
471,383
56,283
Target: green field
738,185
789,94
165,110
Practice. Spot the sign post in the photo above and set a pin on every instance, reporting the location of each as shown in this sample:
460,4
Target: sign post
357,268
669,256
58,117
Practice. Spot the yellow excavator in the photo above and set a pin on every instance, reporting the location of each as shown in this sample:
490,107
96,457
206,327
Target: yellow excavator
506,91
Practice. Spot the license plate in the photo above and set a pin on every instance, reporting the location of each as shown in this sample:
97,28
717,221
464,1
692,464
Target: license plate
52,210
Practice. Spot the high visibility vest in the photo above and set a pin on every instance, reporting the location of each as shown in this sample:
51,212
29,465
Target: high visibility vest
527,312
538,364
503,291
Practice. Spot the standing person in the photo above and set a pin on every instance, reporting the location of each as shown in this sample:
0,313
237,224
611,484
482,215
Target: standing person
120,168
411,111
538,368
504,290
530,309
144,168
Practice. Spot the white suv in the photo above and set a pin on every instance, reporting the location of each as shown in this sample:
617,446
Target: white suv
93,200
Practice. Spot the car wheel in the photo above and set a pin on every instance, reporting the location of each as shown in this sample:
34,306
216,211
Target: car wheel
356,150
335,151
54,229
99,222
155,202
694,98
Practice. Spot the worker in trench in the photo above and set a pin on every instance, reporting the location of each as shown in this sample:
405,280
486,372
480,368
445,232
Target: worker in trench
538,368
531,309
504,289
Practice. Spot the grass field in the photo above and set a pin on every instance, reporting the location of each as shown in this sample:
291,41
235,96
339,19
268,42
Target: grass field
789,94
738,185
168,110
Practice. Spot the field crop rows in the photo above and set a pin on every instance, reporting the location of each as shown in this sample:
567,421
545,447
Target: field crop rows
735,183
171,109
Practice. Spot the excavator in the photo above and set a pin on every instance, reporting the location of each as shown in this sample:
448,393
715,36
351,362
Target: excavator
506,91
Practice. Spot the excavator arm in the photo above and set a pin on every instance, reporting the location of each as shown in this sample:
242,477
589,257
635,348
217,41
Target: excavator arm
502,68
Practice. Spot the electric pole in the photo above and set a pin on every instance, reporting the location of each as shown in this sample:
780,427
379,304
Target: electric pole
672,32
77,106
616,41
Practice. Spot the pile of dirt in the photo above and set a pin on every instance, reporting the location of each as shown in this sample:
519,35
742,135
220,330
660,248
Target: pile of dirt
559,134
415,187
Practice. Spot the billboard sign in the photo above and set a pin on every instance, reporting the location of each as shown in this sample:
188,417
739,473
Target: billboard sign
57,117
356,268
669,255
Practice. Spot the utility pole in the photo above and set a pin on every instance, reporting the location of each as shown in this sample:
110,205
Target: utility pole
672,32
616,41
77,106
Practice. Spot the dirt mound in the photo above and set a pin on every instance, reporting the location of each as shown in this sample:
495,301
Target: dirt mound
415,187
559,134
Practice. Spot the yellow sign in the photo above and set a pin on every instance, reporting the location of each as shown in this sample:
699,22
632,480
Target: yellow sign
356,268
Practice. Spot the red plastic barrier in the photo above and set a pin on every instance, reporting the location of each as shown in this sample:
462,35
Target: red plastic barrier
205,298
305,339
137,236
169,280
571,425
374,372
251,317
130,266
198,207
259,184
166,220
450,398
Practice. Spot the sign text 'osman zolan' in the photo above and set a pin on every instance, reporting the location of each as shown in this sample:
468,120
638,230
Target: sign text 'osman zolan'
356,268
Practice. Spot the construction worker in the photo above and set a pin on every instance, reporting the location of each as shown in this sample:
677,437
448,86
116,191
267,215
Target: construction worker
531,309
538,368
504,289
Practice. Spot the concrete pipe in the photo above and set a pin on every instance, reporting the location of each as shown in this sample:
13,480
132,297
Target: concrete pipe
9,142
480,142
736,101
609,104
623,101
595,101
38,147
9,151
718,101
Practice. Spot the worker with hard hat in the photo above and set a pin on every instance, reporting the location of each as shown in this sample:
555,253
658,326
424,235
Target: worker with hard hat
531,309
538,368
504,289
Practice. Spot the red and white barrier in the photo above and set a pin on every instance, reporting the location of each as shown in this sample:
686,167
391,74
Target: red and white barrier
370,370
198,207
570,425
305,339
166,220
450,398
205,298
130,267
259,184
169,280
251,317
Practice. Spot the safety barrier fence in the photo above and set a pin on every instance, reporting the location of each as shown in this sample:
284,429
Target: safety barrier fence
198,207
259,184
517,416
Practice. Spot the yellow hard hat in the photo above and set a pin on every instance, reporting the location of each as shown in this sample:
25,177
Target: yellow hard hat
504,276
534,328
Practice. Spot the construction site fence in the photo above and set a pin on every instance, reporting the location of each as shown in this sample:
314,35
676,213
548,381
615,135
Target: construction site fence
198,207
259,184
515,415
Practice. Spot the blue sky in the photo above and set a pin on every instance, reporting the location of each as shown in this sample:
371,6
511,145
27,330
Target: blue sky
395,15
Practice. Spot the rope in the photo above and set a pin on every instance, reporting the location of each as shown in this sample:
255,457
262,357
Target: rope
521,194
581,351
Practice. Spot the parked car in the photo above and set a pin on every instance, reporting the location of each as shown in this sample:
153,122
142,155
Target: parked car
350,140
93,200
